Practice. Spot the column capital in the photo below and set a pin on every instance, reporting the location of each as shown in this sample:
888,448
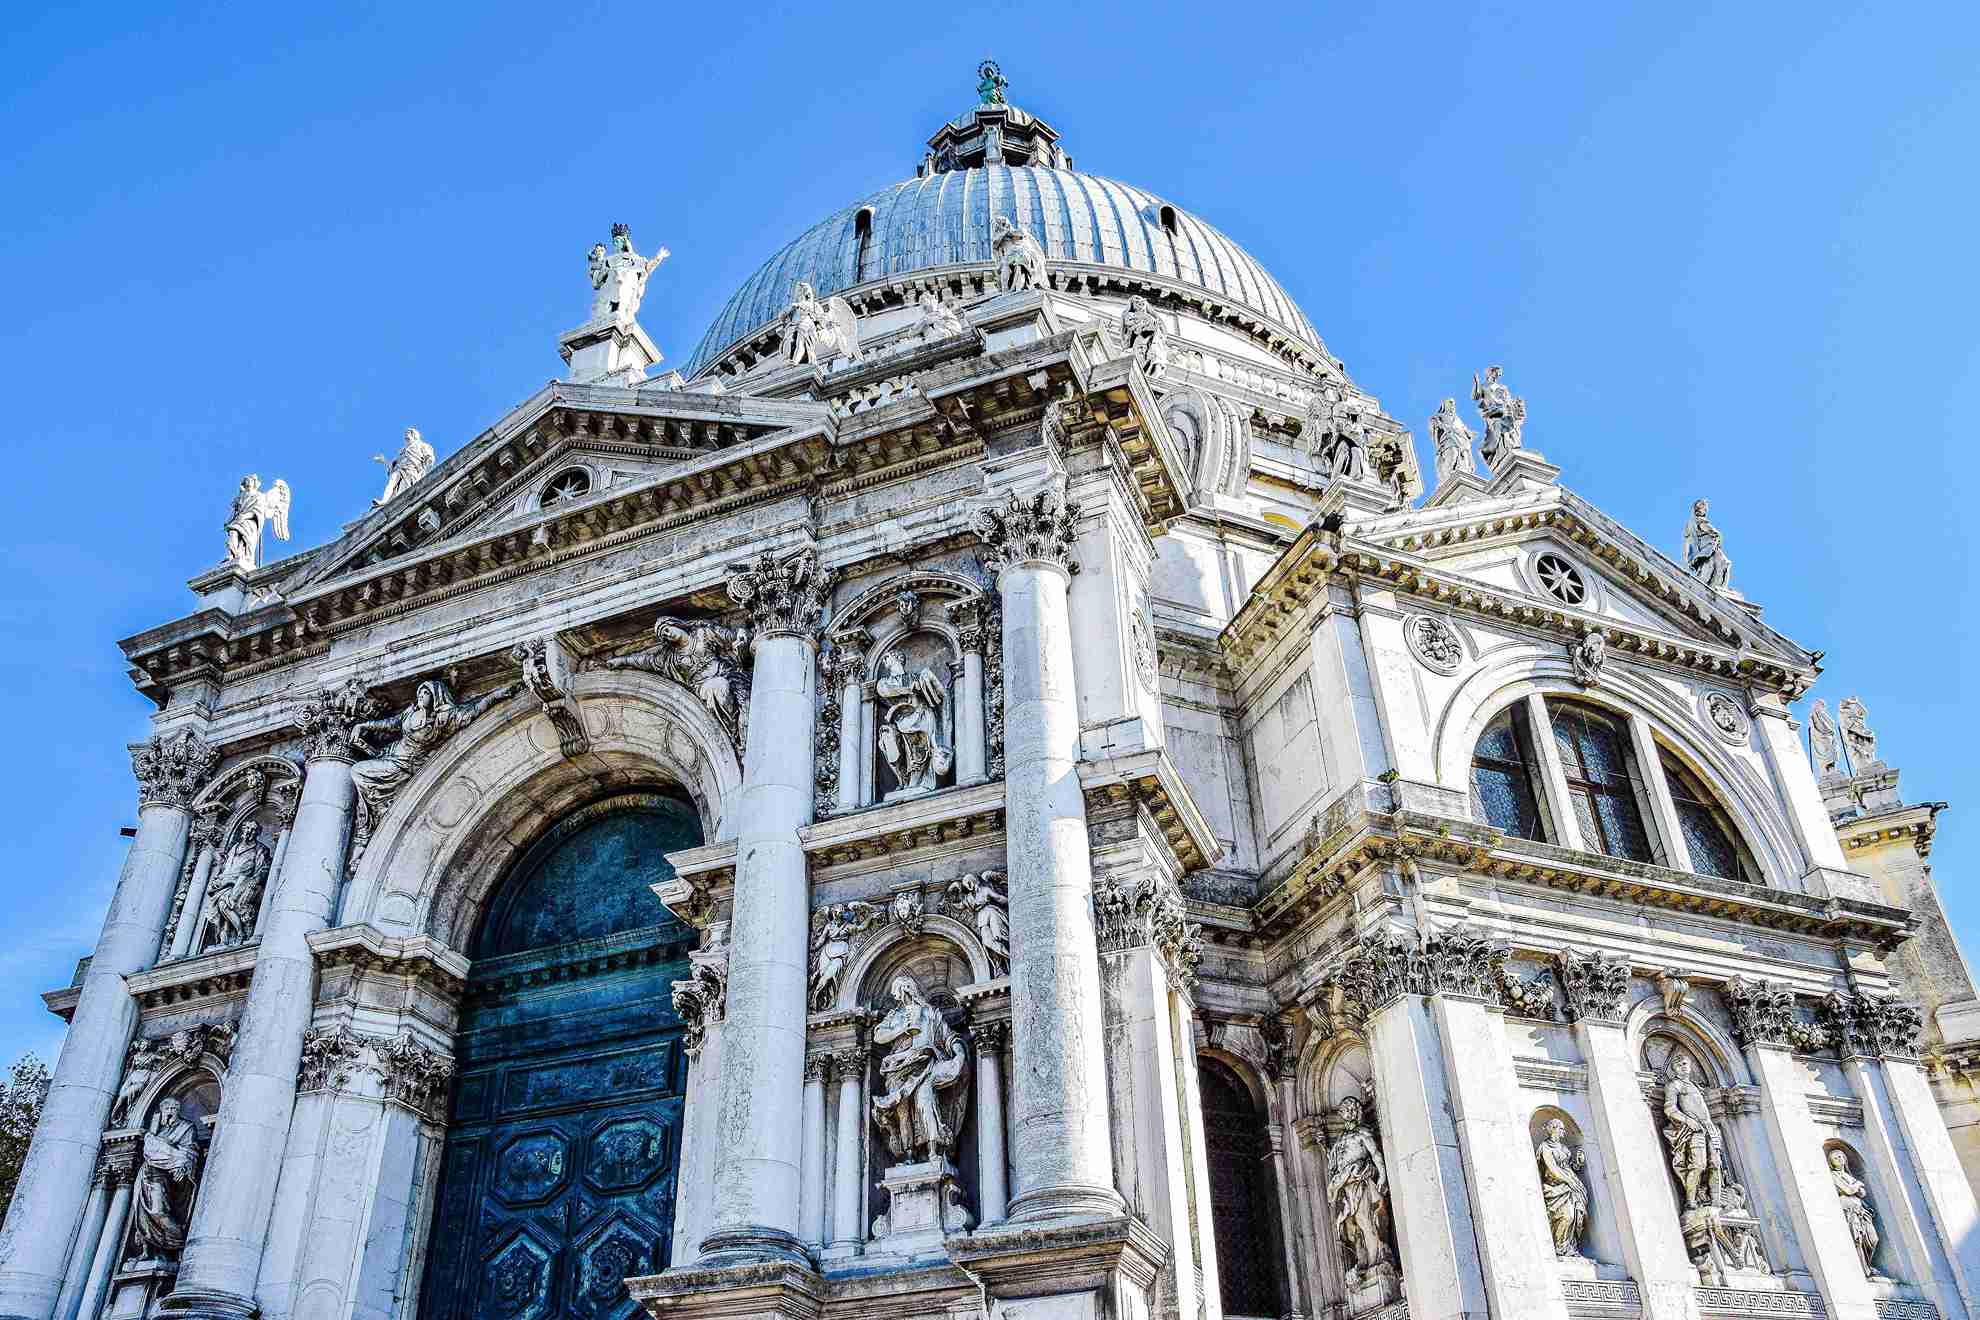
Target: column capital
1762,1013
329,721
817,1066
1867,1026
1128,914
1384,965
992,1038
846,657
172,768
1594,985
783,598
1036,532
849,1063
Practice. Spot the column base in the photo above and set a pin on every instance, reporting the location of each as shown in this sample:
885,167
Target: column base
208,1304
1065,1201
773,1290
751,1245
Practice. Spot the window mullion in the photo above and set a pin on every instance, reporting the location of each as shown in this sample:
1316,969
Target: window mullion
1559,806
1663,814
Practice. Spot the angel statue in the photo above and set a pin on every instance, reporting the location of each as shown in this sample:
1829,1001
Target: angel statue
1822,740
1504,416
832,944
233,901
818,329
1453,440
704,657
416,732
1856,734
1020,259
618,277
911,734
925,1075
253,509
1705,550
415,460
983,899
1146,337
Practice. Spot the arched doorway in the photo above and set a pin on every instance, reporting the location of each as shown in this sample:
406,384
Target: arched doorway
1239,1154
558,1175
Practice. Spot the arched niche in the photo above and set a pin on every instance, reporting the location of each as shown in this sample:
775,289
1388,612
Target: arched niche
891,944
1213,436
217,906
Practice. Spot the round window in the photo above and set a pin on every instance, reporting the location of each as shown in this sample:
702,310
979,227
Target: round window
565,487
1560,579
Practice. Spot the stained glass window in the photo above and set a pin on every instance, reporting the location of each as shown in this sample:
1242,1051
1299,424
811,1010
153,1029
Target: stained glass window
1706,835
1595,755
1502,776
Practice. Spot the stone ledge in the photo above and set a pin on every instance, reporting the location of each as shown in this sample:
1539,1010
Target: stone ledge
780,1289
1019,1260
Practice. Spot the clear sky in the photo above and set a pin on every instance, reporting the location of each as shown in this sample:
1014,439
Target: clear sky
1723,251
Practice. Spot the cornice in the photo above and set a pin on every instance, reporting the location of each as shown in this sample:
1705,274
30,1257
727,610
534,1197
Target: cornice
1150,780
1914,824
950,820
212,975
365,947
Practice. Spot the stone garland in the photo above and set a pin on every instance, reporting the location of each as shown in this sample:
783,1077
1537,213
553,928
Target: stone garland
825,746
408,1072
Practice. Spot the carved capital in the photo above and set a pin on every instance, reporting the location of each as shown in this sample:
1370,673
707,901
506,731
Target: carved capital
1129,914
1762,1014
172,768
415,1076
849,1063
1871,1026
329,719
1595,985
701,999
330,1057
817,1067
1040,530
1387,964
783,598
992,1037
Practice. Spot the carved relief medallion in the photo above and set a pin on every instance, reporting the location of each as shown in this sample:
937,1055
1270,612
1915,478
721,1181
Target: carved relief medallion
1727,719
1433,642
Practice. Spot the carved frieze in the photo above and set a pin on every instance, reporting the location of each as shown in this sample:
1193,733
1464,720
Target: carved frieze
1595,986
1528,996
172,768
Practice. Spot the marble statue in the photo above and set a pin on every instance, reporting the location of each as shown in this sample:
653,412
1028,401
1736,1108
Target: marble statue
831,946
161,1201
1704,550
233,900
939,320
618,276
1358,1190
1698,1147
1588,656
415,733
1562,1190
1322,411
1453,440
911,736
255,508
1020,259
415,460
1822,740
1855,1197
1146,337
990,83
983,900
1346,450
707,659
145,1059
1505,416
925,1074
1856,734
818,329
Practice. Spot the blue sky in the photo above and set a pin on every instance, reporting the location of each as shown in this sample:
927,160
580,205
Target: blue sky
1723,251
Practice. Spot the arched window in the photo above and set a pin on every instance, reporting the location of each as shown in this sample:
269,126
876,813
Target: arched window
1168,217
1601,780
1707,833
1241,1193
1502,776
863,244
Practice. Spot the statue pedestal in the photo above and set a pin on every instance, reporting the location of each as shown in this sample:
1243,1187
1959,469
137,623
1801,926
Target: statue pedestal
1523,469
608,351
1372,1288
1713,1235
924,1206
1356,501
137,1286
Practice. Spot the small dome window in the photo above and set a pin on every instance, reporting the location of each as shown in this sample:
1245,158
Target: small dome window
572,484
1167,215
863,244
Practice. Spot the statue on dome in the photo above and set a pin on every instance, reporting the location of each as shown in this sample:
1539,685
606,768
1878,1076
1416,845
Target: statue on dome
1020,259
939,320
990,83
1505,416
1453,440
818,329
255,508
1146,337
415,460
1705,550
618,276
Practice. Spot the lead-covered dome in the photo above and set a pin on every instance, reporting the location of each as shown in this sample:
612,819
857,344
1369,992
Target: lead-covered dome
1001,161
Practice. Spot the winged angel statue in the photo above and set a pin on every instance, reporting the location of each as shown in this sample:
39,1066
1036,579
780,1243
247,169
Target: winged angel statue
818,329
255,508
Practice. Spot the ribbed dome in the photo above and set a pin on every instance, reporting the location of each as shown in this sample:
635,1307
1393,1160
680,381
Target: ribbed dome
945,217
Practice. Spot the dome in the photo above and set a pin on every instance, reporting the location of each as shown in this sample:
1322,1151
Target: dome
944,218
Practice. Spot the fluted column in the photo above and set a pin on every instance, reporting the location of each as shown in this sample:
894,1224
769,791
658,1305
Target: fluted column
1061,1129
61,1160
222,1258
848,1174
758,1147
812,1221
993,1168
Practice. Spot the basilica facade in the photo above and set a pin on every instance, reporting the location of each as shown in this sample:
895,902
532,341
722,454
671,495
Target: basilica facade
1000,790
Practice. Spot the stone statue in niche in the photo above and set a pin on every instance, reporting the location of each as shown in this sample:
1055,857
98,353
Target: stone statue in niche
1020,260
831,946
1822,741
618,276
161,1201
982,900
253,509
1453,440
706,658
1358,1190
1719,1229
938,319
415,460
1705,550
1856,734
1505,417
912,739
1561,1188
139,1069
416,732
925,1073
1855,1197
1146,337
233,900
818,329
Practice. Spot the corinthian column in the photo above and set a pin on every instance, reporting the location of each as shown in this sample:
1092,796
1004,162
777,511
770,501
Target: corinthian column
758,1146
55,1180
1059,1133
230,1222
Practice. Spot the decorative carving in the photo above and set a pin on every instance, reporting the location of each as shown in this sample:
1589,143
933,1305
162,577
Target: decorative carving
1531,997
1146,336
329,721
1588,656
1871,1026
1855,1197
817,1067
912,741
415,733
1595,985
702,998
708,660
415,460
233,898
925,1076
832,943
140,1066
1762,1014
1434,643
1150,911
1562,1191
1822,741
1856,735
818,329
545,676
415,1076
618,277
1673,990
906,911
1039,530
1019,257
1727,719
981,900
1453,441
1505,417
171,768
253,510
329,1056
939,320
161,1200
1146,665
1358,1191
991,1037
1705,551
782,599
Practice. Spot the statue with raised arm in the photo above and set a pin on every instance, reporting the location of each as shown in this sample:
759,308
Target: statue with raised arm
990,83
707,659
1020,260
253,509
1358,1191
1822,742
1505,416
912,741
1453,440
415,460
619,275
1856,734
161,1200
1855,1197
925,1077
412,736
1562,1190
818,329
233,900
1146,337
1705,550
831,945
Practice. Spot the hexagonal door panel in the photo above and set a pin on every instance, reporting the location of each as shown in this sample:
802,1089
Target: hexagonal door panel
532,1167
519,1276
626,1153
619,1248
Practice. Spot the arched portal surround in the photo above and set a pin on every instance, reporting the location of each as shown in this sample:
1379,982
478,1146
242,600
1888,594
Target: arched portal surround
469,814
